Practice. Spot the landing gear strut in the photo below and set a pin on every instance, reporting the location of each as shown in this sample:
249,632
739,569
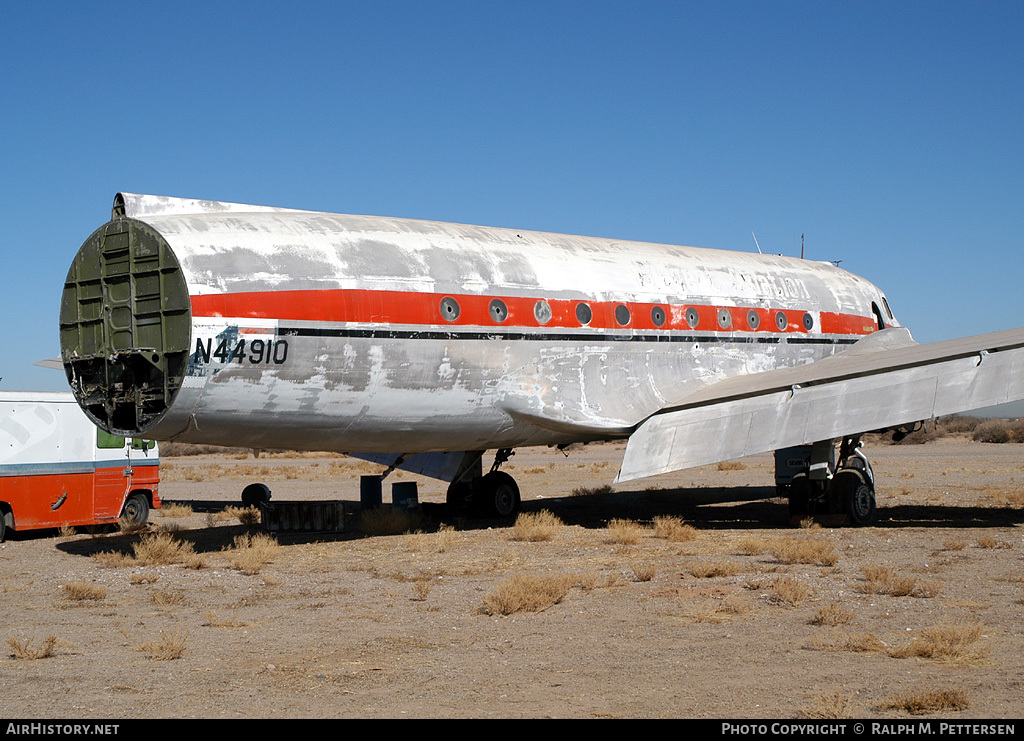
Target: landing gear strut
495,494
824,485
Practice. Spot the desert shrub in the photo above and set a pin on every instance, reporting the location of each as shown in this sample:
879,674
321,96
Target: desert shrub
992,431
959,424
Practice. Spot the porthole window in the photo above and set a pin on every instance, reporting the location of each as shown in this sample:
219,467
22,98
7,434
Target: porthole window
808,322
724,318
583,313
692,317
658,316
499,312
622,315
780,321
449,309
753,320
542,312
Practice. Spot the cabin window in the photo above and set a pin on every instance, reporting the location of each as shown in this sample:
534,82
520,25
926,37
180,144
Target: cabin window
542,312
499,312
658,316
105,440
692,317
583,313
753,320
808,322
449,309
622,315
724,318
780,321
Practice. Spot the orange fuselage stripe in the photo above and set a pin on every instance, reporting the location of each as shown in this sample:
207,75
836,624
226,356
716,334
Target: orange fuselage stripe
413,308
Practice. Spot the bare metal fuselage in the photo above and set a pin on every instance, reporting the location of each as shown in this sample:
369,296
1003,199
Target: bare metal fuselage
304,330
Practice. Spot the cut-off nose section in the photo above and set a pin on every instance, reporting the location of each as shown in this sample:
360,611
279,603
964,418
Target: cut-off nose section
125,326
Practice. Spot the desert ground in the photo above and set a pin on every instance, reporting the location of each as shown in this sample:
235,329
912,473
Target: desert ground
688,595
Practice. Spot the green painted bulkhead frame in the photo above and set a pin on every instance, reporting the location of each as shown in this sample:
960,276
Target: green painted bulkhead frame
125,326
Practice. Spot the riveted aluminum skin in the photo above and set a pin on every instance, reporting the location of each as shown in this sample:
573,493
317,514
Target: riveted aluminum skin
230,324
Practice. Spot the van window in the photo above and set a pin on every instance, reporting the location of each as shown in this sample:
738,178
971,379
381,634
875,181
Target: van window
139,444
105,440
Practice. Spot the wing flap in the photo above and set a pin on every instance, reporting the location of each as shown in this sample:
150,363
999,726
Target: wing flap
851,393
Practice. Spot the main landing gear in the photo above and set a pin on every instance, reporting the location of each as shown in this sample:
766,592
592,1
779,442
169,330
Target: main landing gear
816,483
495,494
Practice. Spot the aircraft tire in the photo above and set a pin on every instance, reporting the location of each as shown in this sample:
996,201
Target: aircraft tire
136,510
858,498
497,495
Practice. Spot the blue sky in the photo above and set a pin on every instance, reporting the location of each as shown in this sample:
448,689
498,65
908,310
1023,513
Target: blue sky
890,134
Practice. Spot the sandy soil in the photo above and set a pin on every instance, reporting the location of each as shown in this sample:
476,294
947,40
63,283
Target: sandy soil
354,625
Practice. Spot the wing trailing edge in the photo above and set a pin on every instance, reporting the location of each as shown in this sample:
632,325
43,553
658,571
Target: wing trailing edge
884,381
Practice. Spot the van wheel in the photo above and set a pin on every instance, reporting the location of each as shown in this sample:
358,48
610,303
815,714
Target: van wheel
3,525
136,510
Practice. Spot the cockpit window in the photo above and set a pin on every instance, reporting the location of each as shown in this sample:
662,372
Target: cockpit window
888,311
878,315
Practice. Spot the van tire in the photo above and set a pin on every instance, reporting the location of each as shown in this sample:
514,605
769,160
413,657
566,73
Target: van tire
136,510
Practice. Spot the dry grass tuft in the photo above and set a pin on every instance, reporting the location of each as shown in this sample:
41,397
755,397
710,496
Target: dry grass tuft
113,559
527,593
856,642
624,532
673,529
644,572
832,704
166,647
583,491
803,550
731,465
30,649
947,642
446,538
880,579
712,569
535,527
955,543
924,702
159,549
787,591
176,511
79,591
831,615
250,553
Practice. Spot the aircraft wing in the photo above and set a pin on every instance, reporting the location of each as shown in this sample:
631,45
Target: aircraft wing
885,380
